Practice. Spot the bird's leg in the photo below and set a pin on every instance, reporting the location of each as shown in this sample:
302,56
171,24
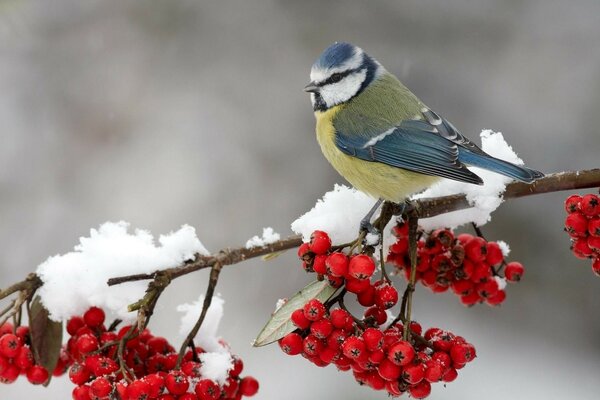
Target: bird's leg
365,223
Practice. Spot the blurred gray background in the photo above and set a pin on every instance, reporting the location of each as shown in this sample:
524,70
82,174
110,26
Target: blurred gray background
177,111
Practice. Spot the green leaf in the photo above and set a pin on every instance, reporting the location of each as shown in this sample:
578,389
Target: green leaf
280,324
46,336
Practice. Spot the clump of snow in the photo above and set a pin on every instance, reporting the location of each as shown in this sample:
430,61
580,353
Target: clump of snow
279,304
268,236
504,247
485,199
501,282
338,213
216,366
75,281
207,335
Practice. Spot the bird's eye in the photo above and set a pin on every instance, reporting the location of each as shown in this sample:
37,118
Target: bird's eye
335,77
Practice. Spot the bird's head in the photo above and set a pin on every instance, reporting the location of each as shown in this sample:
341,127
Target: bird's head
340,73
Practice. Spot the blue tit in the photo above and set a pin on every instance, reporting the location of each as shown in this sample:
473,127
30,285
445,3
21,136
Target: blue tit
381,138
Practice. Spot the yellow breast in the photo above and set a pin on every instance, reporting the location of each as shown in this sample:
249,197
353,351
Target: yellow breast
376,179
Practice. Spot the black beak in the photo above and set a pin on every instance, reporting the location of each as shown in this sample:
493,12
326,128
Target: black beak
311,88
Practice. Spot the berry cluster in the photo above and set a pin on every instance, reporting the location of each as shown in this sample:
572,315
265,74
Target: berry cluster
16,357
353,272
468,265
583,225
92,354
377,356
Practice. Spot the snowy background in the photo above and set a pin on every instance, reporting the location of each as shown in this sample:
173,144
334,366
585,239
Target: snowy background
176,111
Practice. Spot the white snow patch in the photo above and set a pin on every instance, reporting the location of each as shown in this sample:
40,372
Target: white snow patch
339,213
207,335
216,366
504,247
75,281
485,199
501,282
268,236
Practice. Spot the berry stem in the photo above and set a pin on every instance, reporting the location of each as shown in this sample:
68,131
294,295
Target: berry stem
410,287
212,284
477,230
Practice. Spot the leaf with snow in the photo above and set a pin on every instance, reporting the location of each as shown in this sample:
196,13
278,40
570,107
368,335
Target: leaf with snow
280,324
46,336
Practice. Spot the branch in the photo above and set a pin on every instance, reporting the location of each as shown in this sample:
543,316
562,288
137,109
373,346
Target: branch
424,208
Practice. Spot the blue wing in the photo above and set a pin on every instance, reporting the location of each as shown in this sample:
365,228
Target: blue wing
432,146
413,145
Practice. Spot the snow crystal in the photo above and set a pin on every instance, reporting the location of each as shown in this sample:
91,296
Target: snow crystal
216,366
485,199
75,281
207,335
504,247
338,213
268,236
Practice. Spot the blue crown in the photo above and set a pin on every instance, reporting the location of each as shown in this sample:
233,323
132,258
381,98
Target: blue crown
335,55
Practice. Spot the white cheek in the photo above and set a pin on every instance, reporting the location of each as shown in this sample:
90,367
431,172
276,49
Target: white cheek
343,90
312,99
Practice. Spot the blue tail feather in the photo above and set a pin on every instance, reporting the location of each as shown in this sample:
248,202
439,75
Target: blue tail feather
490,163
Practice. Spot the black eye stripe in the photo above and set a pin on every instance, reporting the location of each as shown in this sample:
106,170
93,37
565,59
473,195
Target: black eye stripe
338,76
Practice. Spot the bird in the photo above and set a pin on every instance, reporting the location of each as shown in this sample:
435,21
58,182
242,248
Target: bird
382,139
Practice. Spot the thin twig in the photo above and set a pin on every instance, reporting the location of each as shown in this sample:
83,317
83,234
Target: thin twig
212,284
410,287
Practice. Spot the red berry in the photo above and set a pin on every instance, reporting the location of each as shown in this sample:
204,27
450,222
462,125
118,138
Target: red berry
357,285
303,251
572,203
176,382
138,390
494,254
388,370
581,249
320,242
322,328
191,368
366,298
373,339
337,264
462,353
207,389
462,287
157,344
401,353
100,387
79,374
487,289
74,324
94,317
476,249
314,310
361,266
354,348
376,313
594,227
312,345
433,371
497,299
336,338
413,373
514,271
576,225
188,396
82,393
248,386
156,383
335,281
420,390
87,343
450,375
23,333
386,296
299,319
341,319
37,375
24,358
593,243
590,205
291,344
10,345
328,354
319,264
